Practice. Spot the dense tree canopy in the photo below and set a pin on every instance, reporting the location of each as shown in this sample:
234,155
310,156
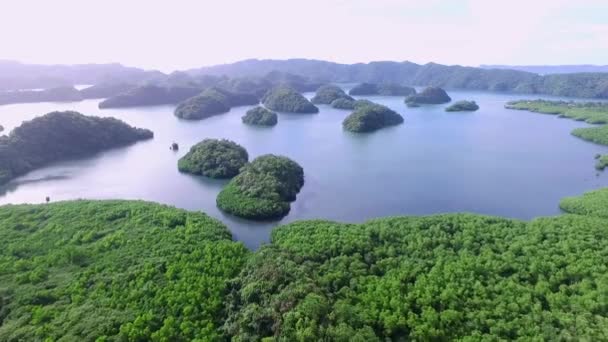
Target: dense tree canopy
113,271
263,189
590,112
593,203
343,103
61,135
386,89
369,117
214,158
260,116
430,95
287,99
149,95
463,106
326,94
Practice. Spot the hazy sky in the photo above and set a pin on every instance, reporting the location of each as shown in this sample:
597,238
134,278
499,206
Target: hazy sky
176,34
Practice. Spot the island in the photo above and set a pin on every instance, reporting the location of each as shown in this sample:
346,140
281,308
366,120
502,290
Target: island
106,90
149,95
59,136
371,117
212,101
263,189
326,94
286,99
342,103
590,112
260,116
430,95
385,89
463,106
214,158
58,94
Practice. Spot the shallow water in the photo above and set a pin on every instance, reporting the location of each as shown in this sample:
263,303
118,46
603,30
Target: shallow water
494,161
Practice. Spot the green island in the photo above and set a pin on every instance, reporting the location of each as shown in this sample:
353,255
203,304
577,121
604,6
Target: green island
149,95
263,189
214,158
137,271
287,99
59,136
590,112
58,94
430,95
343,103
326,94
602,162
385,89
260,116
204,105
463,106
106,90
113,271
369,116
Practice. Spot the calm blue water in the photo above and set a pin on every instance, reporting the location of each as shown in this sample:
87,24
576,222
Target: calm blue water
494,161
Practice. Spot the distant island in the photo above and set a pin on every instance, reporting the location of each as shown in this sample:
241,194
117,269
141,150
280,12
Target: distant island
211,102
369,117
328,93
463,106
386,89
105,90
60,94
149,95
590,112
430,95
59,136
214,158
260,116
287,99
343,103
263,189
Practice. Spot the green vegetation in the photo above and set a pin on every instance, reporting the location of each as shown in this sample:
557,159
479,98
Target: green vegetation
386,89
263,189
430,95
208,103
59,94
342,103
113,271
328,93
260,116
598,135
602,162
590,112
369,117
61,135
437,278
593,203
463,106
286,99
214,158
149,95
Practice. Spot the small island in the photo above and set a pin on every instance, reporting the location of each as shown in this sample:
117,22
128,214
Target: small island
328,93
287,99
430,95
385,89
260,116
369,117
59,136
463,106
342,103
214,158
263,189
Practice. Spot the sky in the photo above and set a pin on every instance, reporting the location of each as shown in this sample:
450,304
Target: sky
181,34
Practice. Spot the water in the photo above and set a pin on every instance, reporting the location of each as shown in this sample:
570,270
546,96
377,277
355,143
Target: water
494,161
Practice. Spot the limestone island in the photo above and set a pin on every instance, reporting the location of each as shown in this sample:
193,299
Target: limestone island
212,101
326,94
350,104
260,116
430,95
386,89
263,189
463,106
214,158
286,99
59,136
370,117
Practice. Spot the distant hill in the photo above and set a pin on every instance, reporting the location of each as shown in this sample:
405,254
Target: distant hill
551,69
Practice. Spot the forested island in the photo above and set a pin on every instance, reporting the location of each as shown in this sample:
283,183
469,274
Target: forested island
211,102
214,158
590,112
369,117
260,116
263,189
149,95
463,106
105,90
61,135
287,99
66,268
386,89
328,93
430,95
59,94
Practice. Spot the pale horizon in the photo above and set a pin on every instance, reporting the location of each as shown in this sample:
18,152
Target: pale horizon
190,34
